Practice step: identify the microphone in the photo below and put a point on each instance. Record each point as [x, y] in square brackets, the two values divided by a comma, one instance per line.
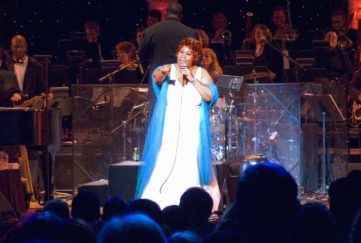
[140, 64]
[182, 65]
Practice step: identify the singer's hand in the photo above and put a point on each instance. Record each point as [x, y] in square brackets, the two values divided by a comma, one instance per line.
[187, 73]
[165, 69]
[160, 74]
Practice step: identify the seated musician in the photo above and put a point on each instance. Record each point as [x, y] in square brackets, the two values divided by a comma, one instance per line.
[130, 72]
[9, 88]
[264, 55]
[347, 35]
[334, 59]
[95, 48]
[281, 28]
[30, 79]
[28, 71]
[221, 37]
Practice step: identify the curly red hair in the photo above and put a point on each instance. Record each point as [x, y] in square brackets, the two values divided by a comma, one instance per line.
[194, 44]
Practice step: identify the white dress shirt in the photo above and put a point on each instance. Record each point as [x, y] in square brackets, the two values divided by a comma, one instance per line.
[20, 69]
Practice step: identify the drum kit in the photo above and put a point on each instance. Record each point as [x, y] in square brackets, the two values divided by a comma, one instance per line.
[234, 120]
[259, 123]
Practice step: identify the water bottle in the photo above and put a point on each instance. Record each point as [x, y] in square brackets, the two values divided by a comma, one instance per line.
[135, 154]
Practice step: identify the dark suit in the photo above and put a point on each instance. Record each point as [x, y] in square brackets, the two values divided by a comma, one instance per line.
[8, 86]
[34, 83]
[159, 44]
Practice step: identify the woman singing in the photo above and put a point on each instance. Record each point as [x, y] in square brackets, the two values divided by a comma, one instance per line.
[177, 149]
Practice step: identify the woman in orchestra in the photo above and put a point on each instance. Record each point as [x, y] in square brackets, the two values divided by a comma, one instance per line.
[128, 64]
[264, 55]
[177, 149]
[211, 64]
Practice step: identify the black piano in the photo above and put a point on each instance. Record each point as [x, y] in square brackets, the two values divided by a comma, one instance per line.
[26, 126]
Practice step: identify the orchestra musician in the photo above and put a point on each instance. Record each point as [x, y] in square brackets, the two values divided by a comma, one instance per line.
[31, 83]
[221, 37]
[28, 71]
[264, 55]
[128, 63]
[282, 29]
[211, 64]
[334, 59]
[347, 36]
[95, 48]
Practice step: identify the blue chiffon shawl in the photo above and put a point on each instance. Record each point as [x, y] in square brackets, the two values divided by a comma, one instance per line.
[155, 132]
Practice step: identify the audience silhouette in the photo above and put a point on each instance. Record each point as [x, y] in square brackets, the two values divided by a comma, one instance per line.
[315, 224]
[113, 207]
[197, 205]
[59, 207]
[266, 209]
[135, 228]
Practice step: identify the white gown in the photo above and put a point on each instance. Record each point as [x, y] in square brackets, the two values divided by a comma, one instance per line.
[176, 168]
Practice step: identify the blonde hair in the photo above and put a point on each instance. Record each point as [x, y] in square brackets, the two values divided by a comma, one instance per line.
[214, 69]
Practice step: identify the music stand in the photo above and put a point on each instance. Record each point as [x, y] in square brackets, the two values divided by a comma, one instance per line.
[232, 84]
[325, 109]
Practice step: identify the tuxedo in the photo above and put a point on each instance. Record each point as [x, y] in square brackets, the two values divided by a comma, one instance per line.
[34, 83]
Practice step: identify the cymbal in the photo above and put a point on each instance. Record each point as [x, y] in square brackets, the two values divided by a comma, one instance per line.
[257, 75]
[253, 156]
[245, 119]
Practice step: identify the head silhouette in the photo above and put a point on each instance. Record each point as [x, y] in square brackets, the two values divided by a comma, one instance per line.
[135, 228]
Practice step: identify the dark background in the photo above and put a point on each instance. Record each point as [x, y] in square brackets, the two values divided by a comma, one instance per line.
[44, 22]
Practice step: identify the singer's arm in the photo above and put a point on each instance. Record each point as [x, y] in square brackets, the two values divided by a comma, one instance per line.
[201, 86]
[160, 74]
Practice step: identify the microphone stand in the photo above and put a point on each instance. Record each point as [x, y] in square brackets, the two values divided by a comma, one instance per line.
[110, 76]
[297, 65]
